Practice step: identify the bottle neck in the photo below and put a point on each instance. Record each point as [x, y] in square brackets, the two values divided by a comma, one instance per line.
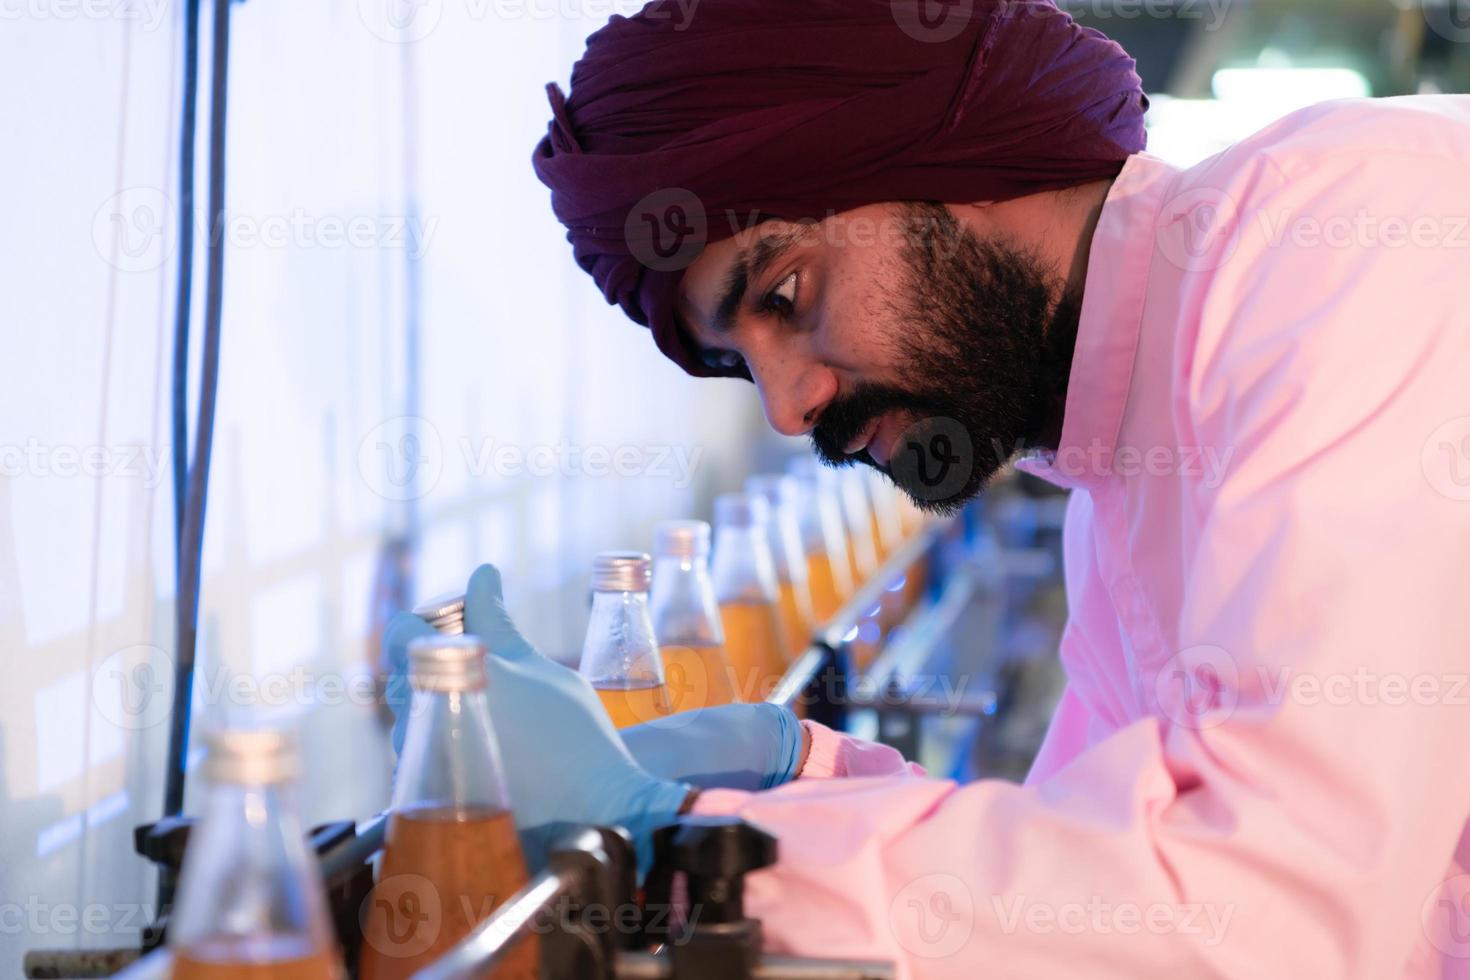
[859, 526]
[682, 603]
[620, 649]
[247, 876]
[823, 530]
[742, 567]
[450, 759]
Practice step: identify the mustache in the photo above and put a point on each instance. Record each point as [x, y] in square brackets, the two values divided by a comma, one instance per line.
[847, 416]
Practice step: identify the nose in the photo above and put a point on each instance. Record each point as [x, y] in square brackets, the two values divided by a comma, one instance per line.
[794, 389]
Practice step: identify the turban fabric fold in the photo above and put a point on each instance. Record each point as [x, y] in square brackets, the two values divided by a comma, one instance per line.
[687, 123]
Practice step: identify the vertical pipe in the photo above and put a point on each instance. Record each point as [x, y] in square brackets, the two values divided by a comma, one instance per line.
[196, 496]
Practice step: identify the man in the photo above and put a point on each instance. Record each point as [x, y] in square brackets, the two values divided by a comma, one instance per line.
[1251, 375]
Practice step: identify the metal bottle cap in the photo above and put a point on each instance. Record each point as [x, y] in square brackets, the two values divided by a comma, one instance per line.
[621, 571]
[681, 539]
[251, 756]
[741, 510]
[446, 663]
[445, 613]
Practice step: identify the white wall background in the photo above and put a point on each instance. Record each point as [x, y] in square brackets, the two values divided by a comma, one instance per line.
[517, 349]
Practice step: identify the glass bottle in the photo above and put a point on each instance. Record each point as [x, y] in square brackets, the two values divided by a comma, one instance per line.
[686, 621]
[452, 856]
[887, 524]
[745, 587]
[823, 538]
[251, 901]
[793, 586]
[862, 554]
[620, 656]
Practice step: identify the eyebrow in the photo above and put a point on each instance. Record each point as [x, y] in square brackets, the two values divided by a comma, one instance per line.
[750, 264]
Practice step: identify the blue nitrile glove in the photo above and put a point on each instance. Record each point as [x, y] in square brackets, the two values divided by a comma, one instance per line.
[734, 746]
[564, 763]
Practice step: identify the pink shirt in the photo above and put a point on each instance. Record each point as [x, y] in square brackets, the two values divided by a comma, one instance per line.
[1261, 764]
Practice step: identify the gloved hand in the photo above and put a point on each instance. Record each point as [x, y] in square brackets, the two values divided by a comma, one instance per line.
[564, 763]
[734, 746]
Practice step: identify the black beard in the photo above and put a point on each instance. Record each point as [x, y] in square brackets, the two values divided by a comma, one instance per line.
[985, 337]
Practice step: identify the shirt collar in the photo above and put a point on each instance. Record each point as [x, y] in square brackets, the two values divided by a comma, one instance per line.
[1107, 330]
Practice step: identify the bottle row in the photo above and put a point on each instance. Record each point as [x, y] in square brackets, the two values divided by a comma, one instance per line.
[712, 617]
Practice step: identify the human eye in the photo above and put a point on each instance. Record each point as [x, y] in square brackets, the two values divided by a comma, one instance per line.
[726, 360]
[781, 299]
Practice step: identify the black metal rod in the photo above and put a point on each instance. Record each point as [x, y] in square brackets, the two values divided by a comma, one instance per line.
[191, 553]
[78, 963]
[831, 634]
[342, 862]
[184, 287]
[923, 628]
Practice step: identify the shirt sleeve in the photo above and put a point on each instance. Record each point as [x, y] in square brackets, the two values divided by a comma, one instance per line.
[835, 755]
[1291, 802]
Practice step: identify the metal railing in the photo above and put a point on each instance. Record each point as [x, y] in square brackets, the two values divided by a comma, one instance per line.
[823, 654]
[489, 943]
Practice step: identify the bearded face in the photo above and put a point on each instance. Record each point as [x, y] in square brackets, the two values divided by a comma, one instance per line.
[922, 349]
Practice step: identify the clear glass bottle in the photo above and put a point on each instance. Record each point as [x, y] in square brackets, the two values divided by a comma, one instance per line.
[251, 901]
[452, 855]
[823, 538]
[744, 577]
[686, 621]
[888, 531]
[888, 537]
[620, 656]
[793, 585]
[862, 553]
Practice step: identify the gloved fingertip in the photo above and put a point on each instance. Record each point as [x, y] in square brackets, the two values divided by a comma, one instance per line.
[485, 583]
[485, 614]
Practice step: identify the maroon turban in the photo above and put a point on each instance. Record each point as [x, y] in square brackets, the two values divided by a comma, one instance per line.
[689, 121]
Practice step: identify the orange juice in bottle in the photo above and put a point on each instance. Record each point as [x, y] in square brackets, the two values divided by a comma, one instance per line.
[686, 620]
[755, 643]
[451, 857]
[862, 552]
[745, 586]
[823, 538]
[793, 585]
[888, 535]
[250, 902]
[620, 657]
[887, 524]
